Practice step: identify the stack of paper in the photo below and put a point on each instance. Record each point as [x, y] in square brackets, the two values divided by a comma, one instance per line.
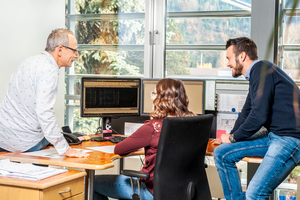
[27, 171]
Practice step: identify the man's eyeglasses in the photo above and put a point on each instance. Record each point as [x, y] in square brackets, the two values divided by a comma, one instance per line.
[75, 50]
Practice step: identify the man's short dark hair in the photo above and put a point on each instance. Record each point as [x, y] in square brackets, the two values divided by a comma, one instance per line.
[243, 44]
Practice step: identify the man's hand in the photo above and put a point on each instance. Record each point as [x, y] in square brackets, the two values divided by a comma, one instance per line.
[216, 141]
[223, 139]
[73, 153]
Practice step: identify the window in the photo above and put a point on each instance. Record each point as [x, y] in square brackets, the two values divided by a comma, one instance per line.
[151, 39]
[288, 59]
[197, 32]
[111, 38]
[289, 39]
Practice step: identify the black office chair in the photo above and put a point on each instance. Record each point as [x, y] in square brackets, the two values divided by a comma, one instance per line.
[179, 171]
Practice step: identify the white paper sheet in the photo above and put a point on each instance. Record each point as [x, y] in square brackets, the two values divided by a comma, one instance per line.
[105, 149]
[51, 153]
[130, 127]
[27, 171]
[226, 121]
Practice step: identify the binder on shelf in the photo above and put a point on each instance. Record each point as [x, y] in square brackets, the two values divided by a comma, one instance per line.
[210, 95]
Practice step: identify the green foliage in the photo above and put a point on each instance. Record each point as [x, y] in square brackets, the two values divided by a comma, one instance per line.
[202, 31]
[109, 32]
[119, 66]
[177, 63]
[85, 125]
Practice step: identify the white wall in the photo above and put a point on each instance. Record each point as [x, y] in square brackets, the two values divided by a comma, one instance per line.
[25, 26]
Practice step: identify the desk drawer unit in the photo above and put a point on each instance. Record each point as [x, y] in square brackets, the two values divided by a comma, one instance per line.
[64, 190]
[76, 197]
[67, 186]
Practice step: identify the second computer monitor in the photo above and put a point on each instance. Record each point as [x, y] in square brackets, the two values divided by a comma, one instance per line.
[194, 90]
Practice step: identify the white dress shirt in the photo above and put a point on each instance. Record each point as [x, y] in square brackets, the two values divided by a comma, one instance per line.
[26, 113]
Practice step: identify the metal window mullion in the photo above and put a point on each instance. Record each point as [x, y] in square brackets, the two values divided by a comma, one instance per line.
[106, 16]
[69, 81]
[70, 115]
[283, 46]
[291, 47]
[210, 14]
[73, 97]
[159, 38]
[133, 16]
[71, 7]
[292, 13]
[195, 47]
[110, 47]
[148, 47]
[280, 36]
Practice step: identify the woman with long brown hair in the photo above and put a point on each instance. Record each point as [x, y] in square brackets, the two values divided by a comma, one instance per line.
[169, 100]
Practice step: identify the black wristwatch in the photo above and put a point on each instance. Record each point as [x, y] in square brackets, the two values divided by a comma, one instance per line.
[231, 138]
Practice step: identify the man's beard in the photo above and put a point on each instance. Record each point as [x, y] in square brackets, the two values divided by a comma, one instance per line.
[237, 71]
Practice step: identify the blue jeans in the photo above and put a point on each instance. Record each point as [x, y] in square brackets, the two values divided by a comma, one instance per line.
[281, 155]
[118, 187]
[41, 145]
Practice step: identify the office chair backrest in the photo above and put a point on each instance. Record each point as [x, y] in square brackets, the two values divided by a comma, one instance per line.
[180, 159]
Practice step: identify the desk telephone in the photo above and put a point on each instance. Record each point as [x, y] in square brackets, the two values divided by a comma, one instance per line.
[72, 138]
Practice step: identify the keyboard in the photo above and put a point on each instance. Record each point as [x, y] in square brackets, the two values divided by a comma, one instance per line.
[117, 139]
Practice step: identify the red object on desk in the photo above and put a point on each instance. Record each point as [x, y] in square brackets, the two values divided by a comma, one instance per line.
[220, 132]
[107, 131]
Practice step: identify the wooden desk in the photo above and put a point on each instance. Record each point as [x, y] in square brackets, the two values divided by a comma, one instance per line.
[70, 184]
[96, 161]
[210, 148]
[252, 163]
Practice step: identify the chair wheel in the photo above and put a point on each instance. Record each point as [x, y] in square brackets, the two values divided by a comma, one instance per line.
[135, 197]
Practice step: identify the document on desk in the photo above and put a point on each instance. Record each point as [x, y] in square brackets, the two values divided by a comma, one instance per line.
[51, 153]
[27, 171]
[105, 149]
[226, 121]
[130, 127]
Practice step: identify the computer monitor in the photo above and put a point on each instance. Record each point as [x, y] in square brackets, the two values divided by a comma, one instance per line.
[109, 97]
[194, 89]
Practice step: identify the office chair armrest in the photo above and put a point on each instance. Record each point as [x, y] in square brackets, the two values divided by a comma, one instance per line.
[133, 173]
